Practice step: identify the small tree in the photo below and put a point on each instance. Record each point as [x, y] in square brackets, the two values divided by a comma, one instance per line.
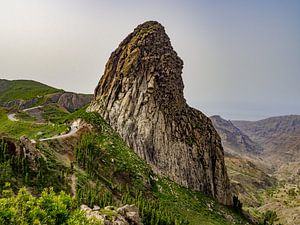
[237, 205]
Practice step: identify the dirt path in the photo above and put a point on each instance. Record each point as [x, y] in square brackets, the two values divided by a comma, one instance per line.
[12, 116]
[73, 129]
[36, 107]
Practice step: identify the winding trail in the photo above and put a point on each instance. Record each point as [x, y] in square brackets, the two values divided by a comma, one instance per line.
[12, 116]
[73, 128]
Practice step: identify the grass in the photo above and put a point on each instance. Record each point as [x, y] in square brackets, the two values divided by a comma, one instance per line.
[109, 213]
[118, 159]
[31, 130]
[53, 112]
[23, 90]
[284, 199]
[113, 169]
[25, 117]
[195, 206]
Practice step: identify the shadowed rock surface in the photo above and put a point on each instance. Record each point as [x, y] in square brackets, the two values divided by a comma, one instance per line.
[233, 139]
[23, 94]
[141, 96]
[70, 101]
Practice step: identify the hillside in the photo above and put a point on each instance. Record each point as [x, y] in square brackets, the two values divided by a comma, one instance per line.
[269, 180]
[23, 94]
[97, 167]
[279, 137]
[233, 139]
[246, 170]
[23, 90]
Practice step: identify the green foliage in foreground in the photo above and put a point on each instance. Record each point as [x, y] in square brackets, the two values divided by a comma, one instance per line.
[153, 212]
[23, 90]
[48, 209]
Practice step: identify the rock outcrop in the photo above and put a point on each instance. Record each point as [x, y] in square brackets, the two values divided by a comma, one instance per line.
[70, 101]
[125, 215]
[141, 96]
[24, 94]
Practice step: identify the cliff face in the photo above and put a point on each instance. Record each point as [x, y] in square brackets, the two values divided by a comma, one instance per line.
[70, 101]
[141, 96]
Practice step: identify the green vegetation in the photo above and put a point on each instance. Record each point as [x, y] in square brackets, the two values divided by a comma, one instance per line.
[53, 112]
[31, 130]
[278, 204]
[23, 90]
[25, 117]
[107, 172]
[128, 176]
[48, 209]
[37, 171]
[269, 218]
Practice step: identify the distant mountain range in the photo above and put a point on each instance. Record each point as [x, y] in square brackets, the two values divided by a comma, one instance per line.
[278, 136]
[275, 139]
[234, 140]
[264, 155]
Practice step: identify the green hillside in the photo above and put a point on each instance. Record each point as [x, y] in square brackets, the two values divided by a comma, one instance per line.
[95, 167]
[109, 173]
[31, 130]
[23, 90]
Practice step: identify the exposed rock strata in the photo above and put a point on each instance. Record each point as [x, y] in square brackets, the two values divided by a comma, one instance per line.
[70, 101]
[141, 97]
[67, 100]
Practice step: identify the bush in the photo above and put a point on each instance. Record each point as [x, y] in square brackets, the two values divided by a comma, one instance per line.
[269, 218]
[48, 209]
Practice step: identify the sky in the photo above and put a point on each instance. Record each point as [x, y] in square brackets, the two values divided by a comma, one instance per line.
[241, 57]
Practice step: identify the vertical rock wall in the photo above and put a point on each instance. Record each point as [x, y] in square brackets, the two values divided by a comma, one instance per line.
[141, 96]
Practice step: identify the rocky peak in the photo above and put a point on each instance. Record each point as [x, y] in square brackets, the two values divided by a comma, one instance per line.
[147, 49]
[141, 96]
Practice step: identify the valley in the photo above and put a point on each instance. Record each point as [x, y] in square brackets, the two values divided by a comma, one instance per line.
[267, 176]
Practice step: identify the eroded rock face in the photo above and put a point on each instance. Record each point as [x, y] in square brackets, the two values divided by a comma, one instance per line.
[70, 101]
[141, 96]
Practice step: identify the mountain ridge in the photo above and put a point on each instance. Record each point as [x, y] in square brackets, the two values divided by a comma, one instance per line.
[22, 94]
[274, 172]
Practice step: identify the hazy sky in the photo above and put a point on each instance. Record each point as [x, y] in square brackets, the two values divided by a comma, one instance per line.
[241, 58]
